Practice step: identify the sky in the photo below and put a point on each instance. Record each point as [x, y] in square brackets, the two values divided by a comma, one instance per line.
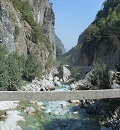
[72, 17]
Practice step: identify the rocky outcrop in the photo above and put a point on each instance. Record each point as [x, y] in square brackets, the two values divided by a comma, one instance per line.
[100, 41]
[16, 34]
[60, 44]
[45, 17]
[64, 74]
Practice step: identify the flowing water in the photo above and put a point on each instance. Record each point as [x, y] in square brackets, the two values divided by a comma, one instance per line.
[60, 115]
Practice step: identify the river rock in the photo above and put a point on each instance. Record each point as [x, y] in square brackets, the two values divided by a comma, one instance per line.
[17, 128]
[65, 73]
[56, 79]
[115, 86]
[40, 103]
[73, 86]
[50, 78]
[31, 110]
[1, 123]
[51, 113]
[75, 112]
[57, 83]
[43, 108]
[75, 101]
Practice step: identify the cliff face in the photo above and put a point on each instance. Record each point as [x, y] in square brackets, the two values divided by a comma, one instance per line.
[16, 33]
[101, 40]
[44, 16]
[60, 44]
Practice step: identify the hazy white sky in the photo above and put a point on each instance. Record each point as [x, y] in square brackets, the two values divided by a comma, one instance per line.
[72, 17]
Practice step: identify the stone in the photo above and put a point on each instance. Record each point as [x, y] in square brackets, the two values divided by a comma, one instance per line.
[43, 108]
[51, 113]
[50, 78]
[57, 83]
[1, 123]
[75, 101]
[56, 78]
[17, 128]
[31, 110]
[73, 86]
[65, 73]
[40, 103]
[75, 112]
[61, 80]
[115, 86]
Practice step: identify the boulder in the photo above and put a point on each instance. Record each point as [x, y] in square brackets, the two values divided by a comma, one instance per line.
[65, 73]
[17, 128]
[50, 78]
[57, 83]
[56, 78]
[31, 110]
[73, 86]
[75, 101]
[40, 103]
[115, 86]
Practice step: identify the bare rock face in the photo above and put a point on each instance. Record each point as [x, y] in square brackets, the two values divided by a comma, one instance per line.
[16, 34]
[9, 23]
[64, 74]
[44, 16]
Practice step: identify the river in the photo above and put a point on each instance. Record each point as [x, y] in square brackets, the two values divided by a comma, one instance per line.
[60, 115]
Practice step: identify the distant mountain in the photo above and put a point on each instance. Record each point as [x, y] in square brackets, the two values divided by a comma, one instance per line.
[60, 44]
[101, 40]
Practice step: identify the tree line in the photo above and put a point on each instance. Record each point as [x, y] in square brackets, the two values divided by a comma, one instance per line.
[14, 69]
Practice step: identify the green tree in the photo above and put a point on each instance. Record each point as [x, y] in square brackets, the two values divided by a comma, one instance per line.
[32, 69]
[14, 69]
[3, 68]
[100, 77]
[58, 53]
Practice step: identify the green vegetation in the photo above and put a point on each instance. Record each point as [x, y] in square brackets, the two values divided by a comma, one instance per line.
[16, 32]
[58, 53]
[103, 30]
[74, 72]
[49, 64]
[10, 70]
[100, 76]
[3, 69]
[14, 68]
[32, 68]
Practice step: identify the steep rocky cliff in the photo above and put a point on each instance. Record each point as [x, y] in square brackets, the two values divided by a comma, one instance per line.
[60, 44]
[101, 40]
[17, 32]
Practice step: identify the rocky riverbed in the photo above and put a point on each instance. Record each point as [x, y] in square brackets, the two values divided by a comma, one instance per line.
[55, 115]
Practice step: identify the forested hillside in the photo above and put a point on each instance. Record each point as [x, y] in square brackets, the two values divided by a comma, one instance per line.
[101, 40]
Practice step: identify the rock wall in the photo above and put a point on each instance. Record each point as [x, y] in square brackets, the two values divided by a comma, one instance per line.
[44, 15]
[16, 34]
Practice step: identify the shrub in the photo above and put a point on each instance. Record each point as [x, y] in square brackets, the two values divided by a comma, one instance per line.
[32, 69]
[3, 68]
[14, 69]
[16, 33]
[74, 72]
[100, 76]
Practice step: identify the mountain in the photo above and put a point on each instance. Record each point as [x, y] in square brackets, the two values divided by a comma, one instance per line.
[101, 40]
[27, 27]
[60, 44]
